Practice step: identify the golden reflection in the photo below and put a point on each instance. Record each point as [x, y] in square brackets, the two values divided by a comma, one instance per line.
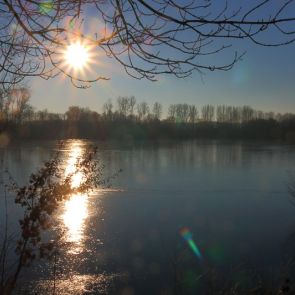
[77, 284]
[74, 217]
[76, 208]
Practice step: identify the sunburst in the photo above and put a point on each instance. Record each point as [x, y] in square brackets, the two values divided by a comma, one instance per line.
[77, 56]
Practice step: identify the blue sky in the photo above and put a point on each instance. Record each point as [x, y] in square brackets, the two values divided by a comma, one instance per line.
[264, 79]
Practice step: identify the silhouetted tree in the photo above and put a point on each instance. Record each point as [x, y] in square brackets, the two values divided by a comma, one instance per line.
[245, 123]
[42, 115]
[28, 113]
[142, 110]
[247, 114]
[157, 110]
[182, 112]
[39, 199]
[123, 105]
[208, 113]
[236, 115]
[107, 108]
[193, 114]
[131, 104]
[14, 104]
[73, 113]
[172, 112]
[220, 113]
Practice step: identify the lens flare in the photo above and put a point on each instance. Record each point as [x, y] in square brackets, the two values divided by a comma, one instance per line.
[188, 237]
[45, 7]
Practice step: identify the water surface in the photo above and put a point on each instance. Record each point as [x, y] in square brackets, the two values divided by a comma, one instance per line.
[125, 240]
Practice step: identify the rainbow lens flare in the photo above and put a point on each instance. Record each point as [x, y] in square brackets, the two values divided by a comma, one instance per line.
[45, 7]
[188, 237]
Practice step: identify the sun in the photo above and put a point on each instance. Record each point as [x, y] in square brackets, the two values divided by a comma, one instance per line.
[77, 55]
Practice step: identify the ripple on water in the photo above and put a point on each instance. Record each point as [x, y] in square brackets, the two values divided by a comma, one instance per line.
[75, 284]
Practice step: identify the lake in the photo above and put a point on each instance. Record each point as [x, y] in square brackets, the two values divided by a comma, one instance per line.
[231, 200]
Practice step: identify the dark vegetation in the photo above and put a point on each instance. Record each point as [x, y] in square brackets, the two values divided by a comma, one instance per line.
[40, 198]
[128, 120]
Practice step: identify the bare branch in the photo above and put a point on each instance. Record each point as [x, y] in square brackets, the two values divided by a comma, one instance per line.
[147, 38]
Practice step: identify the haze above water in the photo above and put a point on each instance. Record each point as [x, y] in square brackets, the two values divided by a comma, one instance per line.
[232, 196]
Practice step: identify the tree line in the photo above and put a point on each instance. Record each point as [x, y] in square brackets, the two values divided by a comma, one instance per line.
[128, 119]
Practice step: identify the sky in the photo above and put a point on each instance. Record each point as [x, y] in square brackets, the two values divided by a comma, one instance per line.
[264, 79]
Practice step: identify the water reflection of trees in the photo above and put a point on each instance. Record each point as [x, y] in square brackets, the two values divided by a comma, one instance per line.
[186, 155]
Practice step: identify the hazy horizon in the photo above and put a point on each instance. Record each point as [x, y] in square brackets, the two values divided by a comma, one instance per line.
[263, 80]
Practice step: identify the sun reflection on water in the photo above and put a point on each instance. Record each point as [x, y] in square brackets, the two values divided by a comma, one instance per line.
[76, 208]
[74, 217]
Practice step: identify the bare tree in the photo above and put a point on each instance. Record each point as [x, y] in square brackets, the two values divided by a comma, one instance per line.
[247, 114]
[131, 104]
[43, 115]
[221, 113]
[3, 112]
[108, 107]
[73, 113]
[46, 189]
[236, 115]
[20, 98]
[157, 110]
[172, 112]
[208, 113]
[28, 113]
[14, 104]
[192, 114]
[146, 38]
[269, 116]
[142, 110]
[2, 98]
[123, 105]
[182, 112]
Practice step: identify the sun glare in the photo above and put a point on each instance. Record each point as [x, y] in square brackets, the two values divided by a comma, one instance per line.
[77, 55]
[76, 208]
